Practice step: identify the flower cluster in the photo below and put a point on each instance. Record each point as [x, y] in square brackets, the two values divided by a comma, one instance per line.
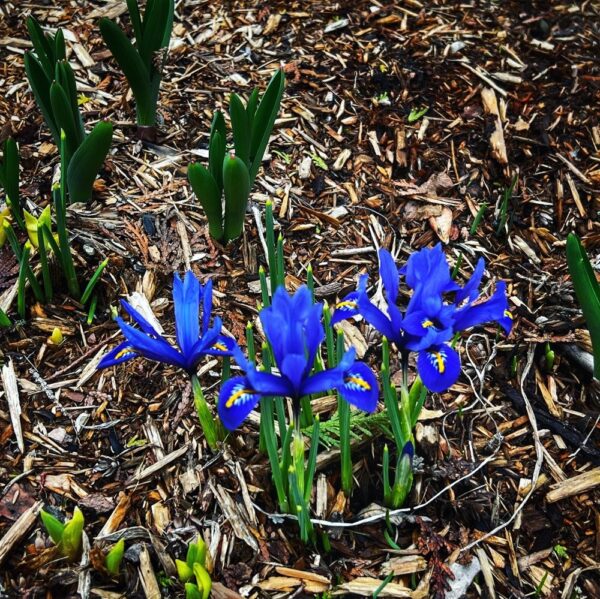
[437, 310]
[294, 329]
[194, 340]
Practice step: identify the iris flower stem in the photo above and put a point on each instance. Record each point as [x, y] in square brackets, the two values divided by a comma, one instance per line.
[268, 428]
[213, 432]
[312, 461]
[344, 414]
[298, 450]
[387, 490]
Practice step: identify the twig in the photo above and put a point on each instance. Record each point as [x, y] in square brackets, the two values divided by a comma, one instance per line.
[539, 451]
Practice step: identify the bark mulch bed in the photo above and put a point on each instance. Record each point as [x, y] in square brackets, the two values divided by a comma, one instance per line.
[507, 487]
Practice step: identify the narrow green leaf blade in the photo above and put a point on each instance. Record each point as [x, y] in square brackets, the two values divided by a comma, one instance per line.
[60, 50]
[587, 291]
[4, 319]
[54, 527]
[236, 185]
[130, 62]
[156, 19]
[93, 281]
[66, 78]
[264, 119]
[71, 538]
[114, 557]
[87, 161]
[65, 120]
[136, 21]
[241, 130]
[39, 83]
[251, 106]
[206, 190]
[42, 46]
[216, 155]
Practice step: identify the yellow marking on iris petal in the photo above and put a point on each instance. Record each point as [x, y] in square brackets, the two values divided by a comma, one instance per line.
[358, 382]
[508, 314]
[426, 324]
[123, 352]
[220, 346]
[346, 304]
[235, 396]
[440, 361]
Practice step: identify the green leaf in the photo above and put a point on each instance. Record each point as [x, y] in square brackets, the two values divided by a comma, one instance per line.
[66, 78]
[60, 50]
[42, 46]
[216, 155]
[87, 161]
[54, 527]
[9, 179]
[190, 557]
[71, 538]
[218, 124]
[251, 107]
[131, 64]
[64, 117]
[184, 570]
[5, 321]
[236, 185]
[587, 291]
[192, 591]
[136, 21]
[196, 553]
[40, 86]
[415, 114]
[263, 122]
[168, 28]
[206, 190]
[203, 580]
[93, 281]
[241, 130]
[156, 18]
[114, 557]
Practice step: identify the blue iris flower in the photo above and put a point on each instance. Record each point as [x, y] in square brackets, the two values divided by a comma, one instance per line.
[293, 327]
[431, 320]
[194, 339]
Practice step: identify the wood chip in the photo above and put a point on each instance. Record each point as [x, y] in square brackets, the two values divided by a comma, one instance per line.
[574, 486]
[147, 576]
[11, 391]
[19, 529]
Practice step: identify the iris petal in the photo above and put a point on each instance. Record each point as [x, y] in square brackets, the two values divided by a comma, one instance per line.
[186, 298]
[139, 319]
[321, 382]
[269, 384]
[348, 307]
[471, 289]
[376, 318]
[156, 349]
[360, 387]
[388, 271]
[119, 354]
[237, 398]
[438, 367]
[294, 368]
[223, 346]
[493, 309]
[207, 294]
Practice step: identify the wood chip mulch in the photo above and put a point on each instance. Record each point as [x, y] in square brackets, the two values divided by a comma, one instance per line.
[508, 483]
